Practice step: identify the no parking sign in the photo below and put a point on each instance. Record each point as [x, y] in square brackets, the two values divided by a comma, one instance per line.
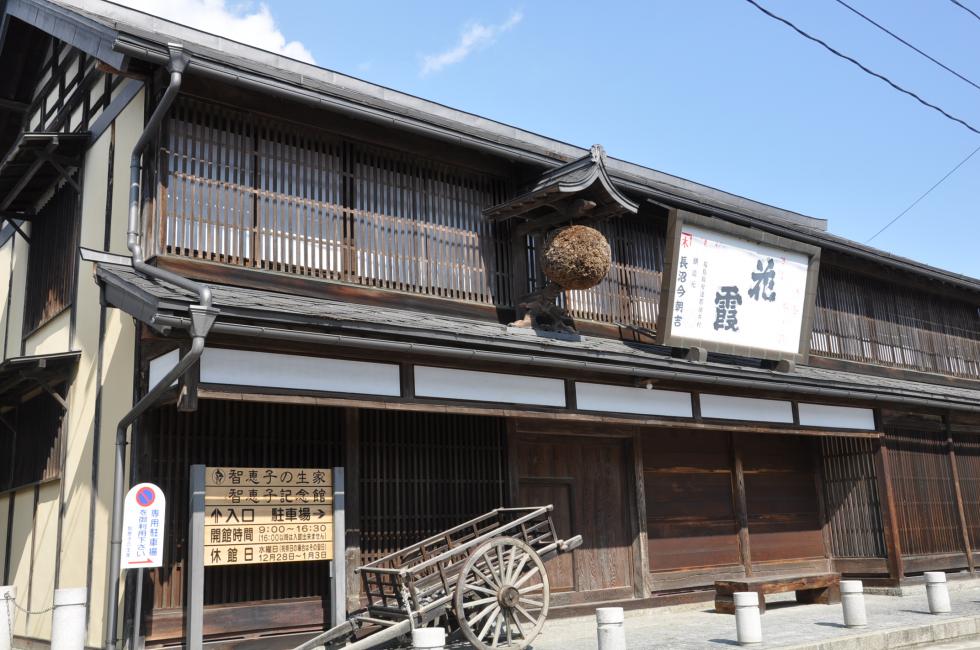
[143, 524]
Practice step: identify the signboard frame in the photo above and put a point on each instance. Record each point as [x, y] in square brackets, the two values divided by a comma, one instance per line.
[194, 607]
[665, 336]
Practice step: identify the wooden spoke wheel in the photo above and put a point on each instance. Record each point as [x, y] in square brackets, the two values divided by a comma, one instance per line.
[502, 595]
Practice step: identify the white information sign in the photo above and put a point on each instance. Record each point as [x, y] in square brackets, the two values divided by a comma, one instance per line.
[733, 291]
[145, 512]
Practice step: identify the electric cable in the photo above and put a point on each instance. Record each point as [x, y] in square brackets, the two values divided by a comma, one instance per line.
[907, 44]
[863, 67]
[924, 195]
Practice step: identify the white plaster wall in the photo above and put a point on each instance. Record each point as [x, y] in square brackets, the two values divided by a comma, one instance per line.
[52, 337]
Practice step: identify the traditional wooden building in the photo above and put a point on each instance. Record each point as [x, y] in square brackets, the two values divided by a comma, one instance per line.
[342, 275]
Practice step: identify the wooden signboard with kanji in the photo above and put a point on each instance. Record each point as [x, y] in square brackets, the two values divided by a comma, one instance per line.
[257, 515]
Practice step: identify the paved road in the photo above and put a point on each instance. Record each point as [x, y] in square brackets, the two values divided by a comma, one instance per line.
[785, 625]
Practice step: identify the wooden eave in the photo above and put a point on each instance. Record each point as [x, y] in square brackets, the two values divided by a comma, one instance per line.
[353, 329]
[22, 375]
[33, 166]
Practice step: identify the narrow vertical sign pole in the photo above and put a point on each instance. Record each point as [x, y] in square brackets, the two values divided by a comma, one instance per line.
[195, 561]
[338, 576]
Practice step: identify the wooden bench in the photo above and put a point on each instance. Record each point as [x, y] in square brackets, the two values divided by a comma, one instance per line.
[823, 588]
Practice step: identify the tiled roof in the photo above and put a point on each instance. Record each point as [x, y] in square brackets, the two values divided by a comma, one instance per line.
[264, 306]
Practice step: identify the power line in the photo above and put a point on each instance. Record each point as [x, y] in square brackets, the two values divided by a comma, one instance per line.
[924, 195]
[862, 66]
[907, 44]
[965, 8]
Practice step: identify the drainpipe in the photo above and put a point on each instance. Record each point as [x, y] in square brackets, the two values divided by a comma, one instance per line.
[202, 317]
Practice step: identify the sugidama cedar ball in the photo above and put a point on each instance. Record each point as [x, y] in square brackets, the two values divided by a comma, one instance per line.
[576, 257]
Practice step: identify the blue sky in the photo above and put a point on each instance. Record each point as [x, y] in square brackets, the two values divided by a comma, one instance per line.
[710, 90]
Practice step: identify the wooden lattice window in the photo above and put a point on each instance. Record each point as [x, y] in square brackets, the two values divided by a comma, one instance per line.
[246, 190]
[861, 318]
[51, 261]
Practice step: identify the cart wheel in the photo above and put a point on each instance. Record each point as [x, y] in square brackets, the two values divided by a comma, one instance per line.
[502, 595]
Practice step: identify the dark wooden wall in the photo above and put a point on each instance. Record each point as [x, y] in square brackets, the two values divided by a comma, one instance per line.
[782, 499]
[587, 479]
[690, 504]
[51, 261]
[924, 492]
[31, 441]
[967, 449]
[850, 488]
[234, 434]
[422, 473]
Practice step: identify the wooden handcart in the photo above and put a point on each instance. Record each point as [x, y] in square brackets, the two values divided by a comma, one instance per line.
[485, 578]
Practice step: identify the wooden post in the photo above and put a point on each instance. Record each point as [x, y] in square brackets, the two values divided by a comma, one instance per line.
[741, 507]
[955, 474]
[642, 558]
[889, 517]
[352, 465]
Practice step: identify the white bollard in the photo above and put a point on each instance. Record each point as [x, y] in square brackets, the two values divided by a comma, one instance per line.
[609, 627]
[68, 619]
[7, 597]
[852, 602]
[429, 638]
[748, 623]
[937, 592]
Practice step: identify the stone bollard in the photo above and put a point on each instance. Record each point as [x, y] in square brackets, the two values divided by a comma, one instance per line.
[852, 602]
[937, 592]
[427, 638]
[68, 619]
[609, 627]
[7, 597]
[748, 623]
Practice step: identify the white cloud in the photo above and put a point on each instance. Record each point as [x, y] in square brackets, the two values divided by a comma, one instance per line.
[475, 36]
[241, 22]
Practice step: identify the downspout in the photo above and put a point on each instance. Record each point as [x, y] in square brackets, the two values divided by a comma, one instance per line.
[202, 317]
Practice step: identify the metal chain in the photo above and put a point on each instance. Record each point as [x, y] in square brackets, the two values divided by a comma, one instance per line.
[26, 611]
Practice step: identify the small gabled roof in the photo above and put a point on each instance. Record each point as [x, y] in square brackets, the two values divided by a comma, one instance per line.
[586, 178]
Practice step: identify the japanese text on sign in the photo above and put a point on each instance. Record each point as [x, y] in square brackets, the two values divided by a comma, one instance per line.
[257, 515]
[730, 290]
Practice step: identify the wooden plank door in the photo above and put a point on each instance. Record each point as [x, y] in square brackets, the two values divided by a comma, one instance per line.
[783, 503]
[586, 480]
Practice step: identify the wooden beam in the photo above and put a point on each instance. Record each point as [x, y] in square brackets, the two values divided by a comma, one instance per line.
[741, 506]
[568, 418]
[955, 474]
[889, 515]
